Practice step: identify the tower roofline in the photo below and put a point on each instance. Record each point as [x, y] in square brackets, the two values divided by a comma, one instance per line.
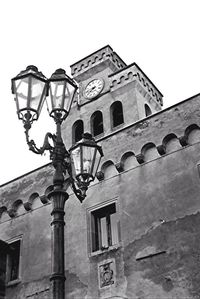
[135, 64]
[107, 46]
[95, 58]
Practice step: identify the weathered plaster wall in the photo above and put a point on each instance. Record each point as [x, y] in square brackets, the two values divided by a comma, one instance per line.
[159, 220]
[164, 262]
[25, 190]
[158, 198]
[35, 256]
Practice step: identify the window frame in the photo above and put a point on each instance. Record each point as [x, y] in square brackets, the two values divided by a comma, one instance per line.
[91, 211]
[112, 117]
[18, 279]
[147, 110]
[92, 123]
[74, 127]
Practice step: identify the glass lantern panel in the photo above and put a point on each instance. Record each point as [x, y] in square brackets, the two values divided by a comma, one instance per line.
[37, 94]
[76, 160]
[69, 92]
[96, 163]
[88, 158]
[21, 91]
[56, 93]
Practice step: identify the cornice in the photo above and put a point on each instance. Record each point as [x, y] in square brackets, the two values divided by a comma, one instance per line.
[140, 157]
[95, 58]
[134, 73]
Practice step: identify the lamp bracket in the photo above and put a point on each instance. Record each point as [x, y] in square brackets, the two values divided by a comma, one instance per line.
[60, 160]
[46, 145]
[80, 192]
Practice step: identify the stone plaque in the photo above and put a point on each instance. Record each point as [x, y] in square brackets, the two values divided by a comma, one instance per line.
[106, 273]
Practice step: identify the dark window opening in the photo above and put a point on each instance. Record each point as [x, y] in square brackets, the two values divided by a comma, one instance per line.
[3, 257]
[77, 131]
[147, 110]
[13, 261]
[117, 116]
[97, 123]
[104, 227]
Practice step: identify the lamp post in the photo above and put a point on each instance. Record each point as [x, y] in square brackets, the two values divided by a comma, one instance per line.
[81, 162]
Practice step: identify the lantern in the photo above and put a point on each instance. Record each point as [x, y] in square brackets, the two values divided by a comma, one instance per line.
[62, 90]
[30, 90]
[85, 158]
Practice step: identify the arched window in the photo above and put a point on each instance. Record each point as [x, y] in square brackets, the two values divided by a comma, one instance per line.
[77, 131]
[116, 112]
[147, 110]
[97, 123]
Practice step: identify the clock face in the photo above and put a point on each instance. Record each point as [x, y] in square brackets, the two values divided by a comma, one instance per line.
[93, 88]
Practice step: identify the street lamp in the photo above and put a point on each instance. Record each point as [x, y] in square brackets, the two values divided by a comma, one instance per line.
[81, 162]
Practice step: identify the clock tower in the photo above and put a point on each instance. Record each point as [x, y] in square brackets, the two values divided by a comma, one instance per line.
[111, 96]
[92, 72]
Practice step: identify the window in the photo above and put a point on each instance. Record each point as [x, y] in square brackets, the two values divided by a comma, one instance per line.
[97, 123]
[116, 111]
[13, 261]
[77, 131]
[104, 227]
[147, 110]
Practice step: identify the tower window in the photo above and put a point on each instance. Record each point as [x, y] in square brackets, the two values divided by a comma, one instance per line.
[13, 261]
[104, 227]
[147, 110]
[97, 123]
[117, 117]
[77, 131]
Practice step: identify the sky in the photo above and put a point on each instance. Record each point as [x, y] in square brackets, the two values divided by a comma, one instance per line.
[161, 36]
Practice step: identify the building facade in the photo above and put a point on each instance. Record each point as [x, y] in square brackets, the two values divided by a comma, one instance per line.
[136, 235]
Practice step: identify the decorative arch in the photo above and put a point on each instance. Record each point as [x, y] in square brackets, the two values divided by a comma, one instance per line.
[192, 134]
[191, 128]
[108, 169]
[77, 131]
[96, 122]
[15, 208]
[149, 152]
[34, 200]
[128, 160]
[171, 143]
[32, 197]
[168, 137]
[48, 190]
[44, 199]
[17, 203]
[116, 114]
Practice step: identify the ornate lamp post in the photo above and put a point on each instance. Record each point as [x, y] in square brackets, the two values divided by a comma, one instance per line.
[30, 88]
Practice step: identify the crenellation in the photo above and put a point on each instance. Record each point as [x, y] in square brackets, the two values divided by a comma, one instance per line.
[154, 92]
[133, 73]
[95, 58]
